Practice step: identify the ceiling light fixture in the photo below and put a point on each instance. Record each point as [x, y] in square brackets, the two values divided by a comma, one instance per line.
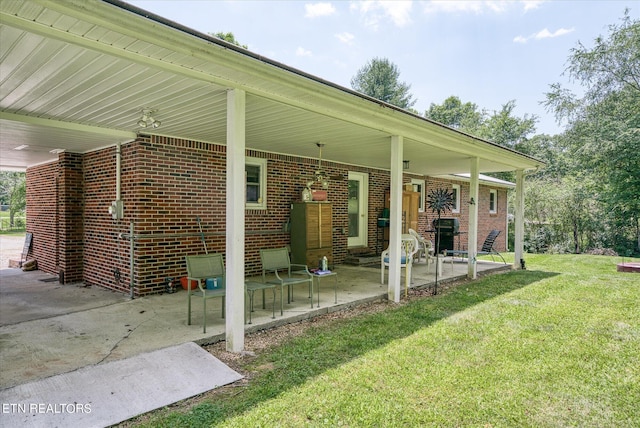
[148, 120]
[405, 164]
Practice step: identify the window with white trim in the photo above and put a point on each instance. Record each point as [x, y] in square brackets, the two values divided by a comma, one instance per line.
[255, 170]
[418, 186]
[493, 201]
[455, 188]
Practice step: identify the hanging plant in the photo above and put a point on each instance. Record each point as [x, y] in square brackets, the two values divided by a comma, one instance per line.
[439, 201]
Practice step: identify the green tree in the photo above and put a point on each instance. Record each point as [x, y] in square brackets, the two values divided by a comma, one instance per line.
[507, 130]
[550, 150]
[577, 212]
[13, 193]
[379, 79]
[228, 37]
[458, 115]
[501, 127]
[602, 125]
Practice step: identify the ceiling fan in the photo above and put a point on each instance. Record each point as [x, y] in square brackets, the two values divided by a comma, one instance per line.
[320, 176]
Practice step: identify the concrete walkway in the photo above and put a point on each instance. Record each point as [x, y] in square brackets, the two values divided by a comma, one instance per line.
[106, 394]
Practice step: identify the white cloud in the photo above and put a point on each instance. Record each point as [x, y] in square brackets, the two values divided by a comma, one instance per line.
[447, 6]
[345, 37]
[373, 12]
[544, 34]
[399, 11]
[303, 52]
[532, 4]
[479, 7]
[318, 9]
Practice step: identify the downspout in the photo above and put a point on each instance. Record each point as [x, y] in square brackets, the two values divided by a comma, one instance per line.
[117, 213]
[131, 248]
[118, 173]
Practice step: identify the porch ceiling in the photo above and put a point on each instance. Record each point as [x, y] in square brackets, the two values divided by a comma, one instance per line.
[75, 76]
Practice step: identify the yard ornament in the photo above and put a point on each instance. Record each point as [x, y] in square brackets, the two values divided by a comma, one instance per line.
[439, 201]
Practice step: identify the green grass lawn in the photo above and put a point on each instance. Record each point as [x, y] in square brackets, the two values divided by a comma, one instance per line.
[555, 345]
[4, 223]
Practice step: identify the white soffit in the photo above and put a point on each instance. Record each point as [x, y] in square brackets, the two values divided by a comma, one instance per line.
[95, 66]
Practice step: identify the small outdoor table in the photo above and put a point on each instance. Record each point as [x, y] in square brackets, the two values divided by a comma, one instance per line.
[335, 286]
[251, 288]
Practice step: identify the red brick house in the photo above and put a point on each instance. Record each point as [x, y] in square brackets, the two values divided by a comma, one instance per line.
[131, 126]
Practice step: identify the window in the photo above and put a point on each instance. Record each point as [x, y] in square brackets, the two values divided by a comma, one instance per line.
[418, 186]
[456, 198]
[256, 179]
[493, 201]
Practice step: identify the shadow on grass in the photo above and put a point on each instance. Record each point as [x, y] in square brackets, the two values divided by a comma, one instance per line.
[323, 348]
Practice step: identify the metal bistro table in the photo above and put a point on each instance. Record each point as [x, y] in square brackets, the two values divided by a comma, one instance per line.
[251, 288]
[317, 276]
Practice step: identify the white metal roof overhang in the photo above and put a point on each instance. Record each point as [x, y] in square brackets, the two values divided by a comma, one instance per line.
[75, 76]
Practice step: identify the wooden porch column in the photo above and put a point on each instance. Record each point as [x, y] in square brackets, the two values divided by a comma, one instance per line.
[395, 218]
[234, 317]
[519, 220]
[472, 237]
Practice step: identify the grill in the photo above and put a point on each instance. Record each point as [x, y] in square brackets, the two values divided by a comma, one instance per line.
[448, 228]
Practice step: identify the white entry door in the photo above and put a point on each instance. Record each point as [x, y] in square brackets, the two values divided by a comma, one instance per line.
[358, 202]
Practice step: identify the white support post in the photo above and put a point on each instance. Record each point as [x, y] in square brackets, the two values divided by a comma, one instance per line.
[395, 218]
[519, 220]
[472, 236]
[234, 316]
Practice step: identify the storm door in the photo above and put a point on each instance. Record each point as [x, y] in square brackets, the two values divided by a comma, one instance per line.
[358, 189]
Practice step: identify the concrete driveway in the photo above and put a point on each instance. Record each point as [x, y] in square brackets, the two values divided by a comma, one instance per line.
[10, 249]
[35, 295]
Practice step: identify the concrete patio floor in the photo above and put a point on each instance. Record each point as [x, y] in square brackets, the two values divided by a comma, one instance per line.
[47, 328]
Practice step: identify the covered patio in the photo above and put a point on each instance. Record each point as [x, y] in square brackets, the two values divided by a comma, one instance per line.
[69, 327]
[80, 78]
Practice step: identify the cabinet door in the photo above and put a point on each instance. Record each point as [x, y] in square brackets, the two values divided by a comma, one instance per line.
[414, 206]
[313, 225]
[326, 226]
[410, 201]
[406, 211]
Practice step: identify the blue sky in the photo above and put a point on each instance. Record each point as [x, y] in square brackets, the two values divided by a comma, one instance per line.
[485, 52]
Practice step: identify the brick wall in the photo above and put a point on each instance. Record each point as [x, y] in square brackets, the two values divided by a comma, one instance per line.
[42, 215]
[166, 185]
[55, 216]
[486, 221]
[70, 216]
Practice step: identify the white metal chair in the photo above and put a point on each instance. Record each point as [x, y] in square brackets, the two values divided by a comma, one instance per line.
[277, 260]
[425, 249]
[201, 268]
[408, 248]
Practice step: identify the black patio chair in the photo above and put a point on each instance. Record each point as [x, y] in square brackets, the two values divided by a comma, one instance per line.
[487, 247]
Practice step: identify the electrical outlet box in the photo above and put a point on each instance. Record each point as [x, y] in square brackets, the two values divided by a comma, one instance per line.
[116, 209]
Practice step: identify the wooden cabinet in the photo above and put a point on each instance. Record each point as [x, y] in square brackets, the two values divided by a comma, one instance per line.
[410, 206]
[311, 233]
